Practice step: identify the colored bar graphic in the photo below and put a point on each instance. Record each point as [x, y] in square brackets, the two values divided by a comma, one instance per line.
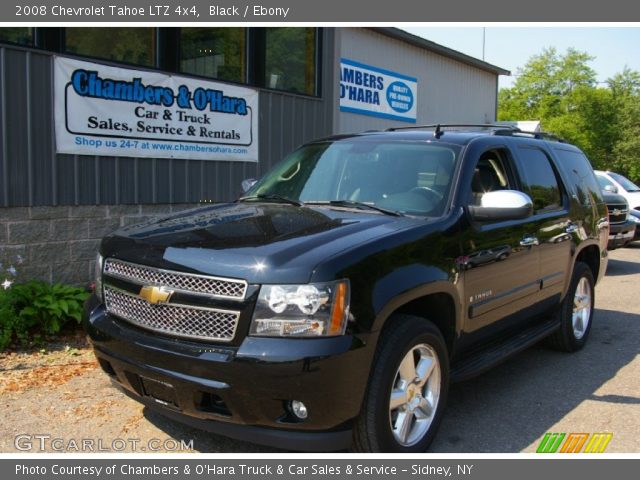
[598, 442]
[550, 442]
[574, 442]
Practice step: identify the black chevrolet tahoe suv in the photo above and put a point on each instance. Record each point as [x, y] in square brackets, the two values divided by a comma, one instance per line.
[331, 306]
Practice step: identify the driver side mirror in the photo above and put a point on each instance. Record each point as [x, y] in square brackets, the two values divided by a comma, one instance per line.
[247, 183]
[502, 205]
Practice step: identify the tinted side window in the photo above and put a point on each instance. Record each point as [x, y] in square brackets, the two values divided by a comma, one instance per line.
[540, 180]
[578, 170]
[492, 172]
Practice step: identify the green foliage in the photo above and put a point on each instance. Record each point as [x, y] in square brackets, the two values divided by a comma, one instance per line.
[30, 310]
[545, 82]
[7, 319]
[624, 83]
[560, 90]
[627, 150]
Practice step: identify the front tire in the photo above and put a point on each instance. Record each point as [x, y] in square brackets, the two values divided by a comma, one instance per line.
[407, 389]
[575, 312]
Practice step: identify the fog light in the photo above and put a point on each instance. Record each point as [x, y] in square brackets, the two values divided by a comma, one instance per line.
[299, 409]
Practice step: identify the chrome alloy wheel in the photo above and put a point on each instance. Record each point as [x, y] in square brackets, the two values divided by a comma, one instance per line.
[581, 308]
[414, 395]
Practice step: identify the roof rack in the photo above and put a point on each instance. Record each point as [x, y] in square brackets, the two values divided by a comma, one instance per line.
[496, 129]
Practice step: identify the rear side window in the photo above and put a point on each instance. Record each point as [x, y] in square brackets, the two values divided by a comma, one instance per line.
[578, 170]
[540, 180]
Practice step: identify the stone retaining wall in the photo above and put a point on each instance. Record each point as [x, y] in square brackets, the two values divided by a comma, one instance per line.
[59, 244]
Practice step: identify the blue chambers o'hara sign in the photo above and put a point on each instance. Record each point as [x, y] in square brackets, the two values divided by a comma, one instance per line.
[377, 92]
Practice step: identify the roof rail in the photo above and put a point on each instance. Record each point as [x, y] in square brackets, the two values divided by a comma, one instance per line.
[536, 135]
[439, 126]
[496, 129]
[452, 125]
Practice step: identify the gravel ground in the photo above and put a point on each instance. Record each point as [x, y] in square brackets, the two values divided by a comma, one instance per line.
[61, 394]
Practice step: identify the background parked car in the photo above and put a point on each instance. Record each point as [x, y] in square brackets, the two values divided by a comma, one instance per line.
[634, 216]
[623, 186]
[622, 229]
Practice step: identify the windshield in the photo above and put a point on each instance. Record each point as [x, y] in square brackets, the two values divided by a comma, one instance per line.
[408, 177]
[624, 182]
[604, 182]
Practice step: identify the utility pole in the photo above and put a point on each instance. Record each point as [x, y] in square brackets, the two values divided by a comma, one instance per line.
[484, 31]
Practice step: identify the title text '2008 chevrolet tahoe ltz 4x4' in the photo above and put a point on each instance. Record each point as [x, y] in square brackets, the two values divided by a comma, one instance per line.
[333, 303]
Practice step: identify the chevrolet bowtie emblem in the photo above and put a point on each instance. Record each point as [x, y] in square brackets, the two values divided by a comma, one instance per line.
[155, 295]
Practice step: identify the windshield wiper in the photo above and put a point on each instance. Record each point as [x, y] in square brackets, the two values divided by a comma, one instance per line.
[273, 196]
[354, 204]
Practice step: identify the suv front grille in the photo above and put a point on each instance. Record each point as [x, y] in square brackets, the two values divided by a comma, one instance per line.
[618, 213]
[186, 282]
[173, 319]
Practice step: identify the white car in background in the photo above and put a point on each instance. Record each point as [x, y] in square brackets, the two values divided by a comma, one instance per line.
[623, 186]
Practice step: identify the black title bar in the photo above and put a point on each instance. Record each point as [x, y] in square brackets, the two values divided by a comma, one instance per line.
[325, 11]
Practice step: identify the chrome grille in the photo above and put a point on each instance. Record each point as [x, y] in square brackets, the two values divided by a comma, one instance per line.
[178, 320]
[185, 282]
[618, 213]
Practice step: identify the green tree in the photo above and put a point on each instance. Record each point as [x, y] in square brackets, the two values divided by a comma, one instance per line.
[625, 83]
[561, 91]
[545, 84]
[589, 120]
[626, 152]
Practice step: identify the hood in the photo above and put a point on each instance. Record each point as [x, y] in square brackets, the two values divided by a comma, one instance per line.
[613, 198]
[258, 242]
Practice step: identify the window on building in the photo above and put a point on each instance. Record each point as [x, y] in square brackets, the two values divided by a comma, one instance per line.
[541, 180]
[18, 35]
[129, 45]
[290, 59]
[214, 52]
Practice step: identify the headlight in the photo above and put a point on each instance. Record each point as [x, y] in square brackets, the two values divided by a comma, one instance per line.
[98, 277]
[634, 218]
[310, 310]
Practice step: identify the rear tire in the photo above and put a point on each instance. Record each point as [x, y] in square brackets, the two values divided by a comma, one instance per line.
[407, 389]
[575, 312]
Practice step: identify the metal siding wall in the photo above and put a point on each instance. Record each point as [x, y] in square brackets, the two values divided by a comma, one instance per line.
[4, 193]
[17, 166]
[449, 91]
[32, 174]
[41, 113]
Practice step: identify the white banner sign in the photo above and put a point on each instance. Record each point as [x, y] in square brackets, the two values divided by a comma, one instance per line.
[377, 92]
[102, 110]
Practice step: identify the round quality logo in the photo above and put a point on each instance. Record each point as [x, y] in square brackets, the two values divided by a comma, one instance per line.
[400, 97]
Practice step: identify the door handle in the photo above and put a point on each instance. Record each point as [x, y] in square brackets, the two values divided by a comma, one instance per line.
[529, 241]
[603, 223]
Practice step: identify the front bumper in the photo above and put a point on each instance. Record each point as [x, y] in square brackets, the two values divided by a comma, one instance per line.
[241, 392]
[620, 234]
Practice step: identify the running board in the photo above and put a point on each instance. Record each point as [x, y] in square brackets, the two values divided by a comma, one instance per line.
[485, 359]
